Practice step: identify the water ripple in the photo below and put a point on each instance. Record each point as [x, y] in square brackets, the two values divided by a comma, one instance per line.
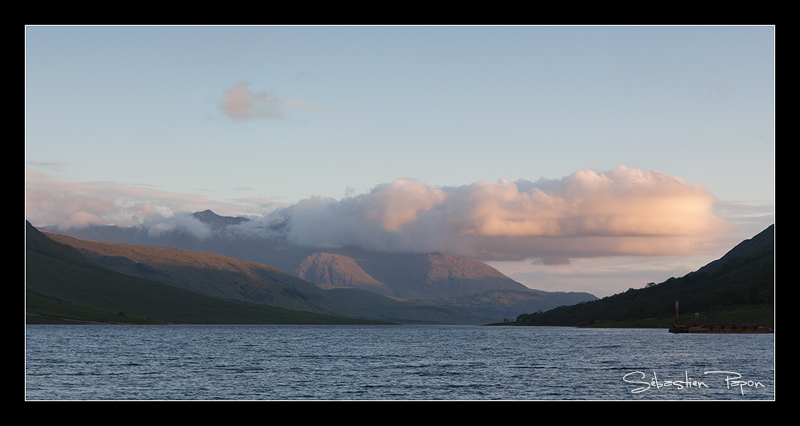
[386, 363]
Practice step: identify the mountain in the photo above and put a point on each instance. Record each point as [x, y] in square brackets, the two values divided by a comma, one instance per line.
[763, 239]
[214, 275]
[328, 270]
[217, 221]
[429, 279]
[738, 288]
[408, 275]
[433, 280]
[62, 286]
[404, 275]
[233, 279]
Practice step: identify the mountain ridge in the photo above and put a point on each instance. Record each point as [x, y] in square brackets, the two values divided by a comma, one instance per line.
[408, 275]
[62, 286]
[212, 275]
[209, 217]
[192, 271]
[431, 280]
[738, 288]
[747, 247]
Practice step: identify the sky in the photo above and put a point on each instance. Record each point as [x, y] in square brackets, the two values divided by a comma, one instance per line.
[571, 158]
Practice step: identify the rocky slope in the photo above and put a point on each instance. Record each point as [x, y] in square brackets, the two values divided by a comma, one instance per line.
[329, 270]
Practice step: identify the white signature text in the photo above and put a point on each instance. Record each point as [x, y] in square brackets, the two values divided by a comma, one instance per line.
[732, 380]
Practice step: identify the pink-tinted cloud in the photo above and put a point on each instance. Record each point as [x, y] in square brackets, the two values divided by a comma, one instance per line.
[586, 214]
[623, 211]
[240, 102]
[69, 204]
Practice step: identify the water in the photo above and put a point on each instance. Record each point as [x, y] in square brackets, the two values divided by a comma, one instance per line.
[207, 362]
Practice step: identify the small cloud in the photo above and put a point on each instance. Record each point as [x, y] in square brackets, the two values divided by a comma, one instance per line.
[241, 103]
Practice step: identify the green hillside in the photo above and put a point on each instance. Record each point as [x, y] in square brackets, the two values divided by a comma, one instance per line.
[62, 286]
[739, 289]
[214, 275]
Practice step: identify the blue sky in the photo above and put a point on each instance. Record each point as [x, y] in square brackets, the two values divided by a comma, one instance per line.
[246, 119]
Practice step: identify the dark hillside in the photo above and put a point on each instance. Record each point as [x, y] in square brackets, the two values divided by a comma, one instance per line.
[216, 276]
[64, 287]
[764, 239]
[739, 290]
[404, 275]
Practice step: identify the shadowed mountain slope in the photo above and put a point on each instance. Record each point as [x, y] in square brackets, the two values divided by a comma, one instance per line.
[214, 275]
[404, 275]
[62, 286]
[751, 246]
[432, 279]
[738, 288]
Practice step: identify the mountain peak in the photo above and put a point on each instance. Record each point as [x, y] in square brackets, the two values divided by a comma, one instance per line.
[329, 270]
[209, 217]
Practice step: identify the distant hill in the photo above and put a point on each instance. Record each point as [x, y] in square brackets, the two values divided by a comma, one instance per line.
[216, 221]
[735, 289]
[328, 270]
[215, 276]
[421, 275]
[430, 279]
[749, 247]
[62, 286]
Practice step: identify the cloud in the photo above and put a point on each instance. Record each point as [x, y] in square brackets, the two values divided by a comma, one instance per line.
[242, 103]
[621, 212]
[69, 204]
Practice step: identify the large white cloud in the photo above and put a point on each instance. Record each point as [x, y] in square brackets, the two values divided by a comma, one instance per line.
[623, 211]
[620, 212]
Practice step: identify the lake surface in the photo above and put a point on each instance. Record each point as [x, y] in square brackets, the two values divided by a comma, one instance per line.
[263, 362]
